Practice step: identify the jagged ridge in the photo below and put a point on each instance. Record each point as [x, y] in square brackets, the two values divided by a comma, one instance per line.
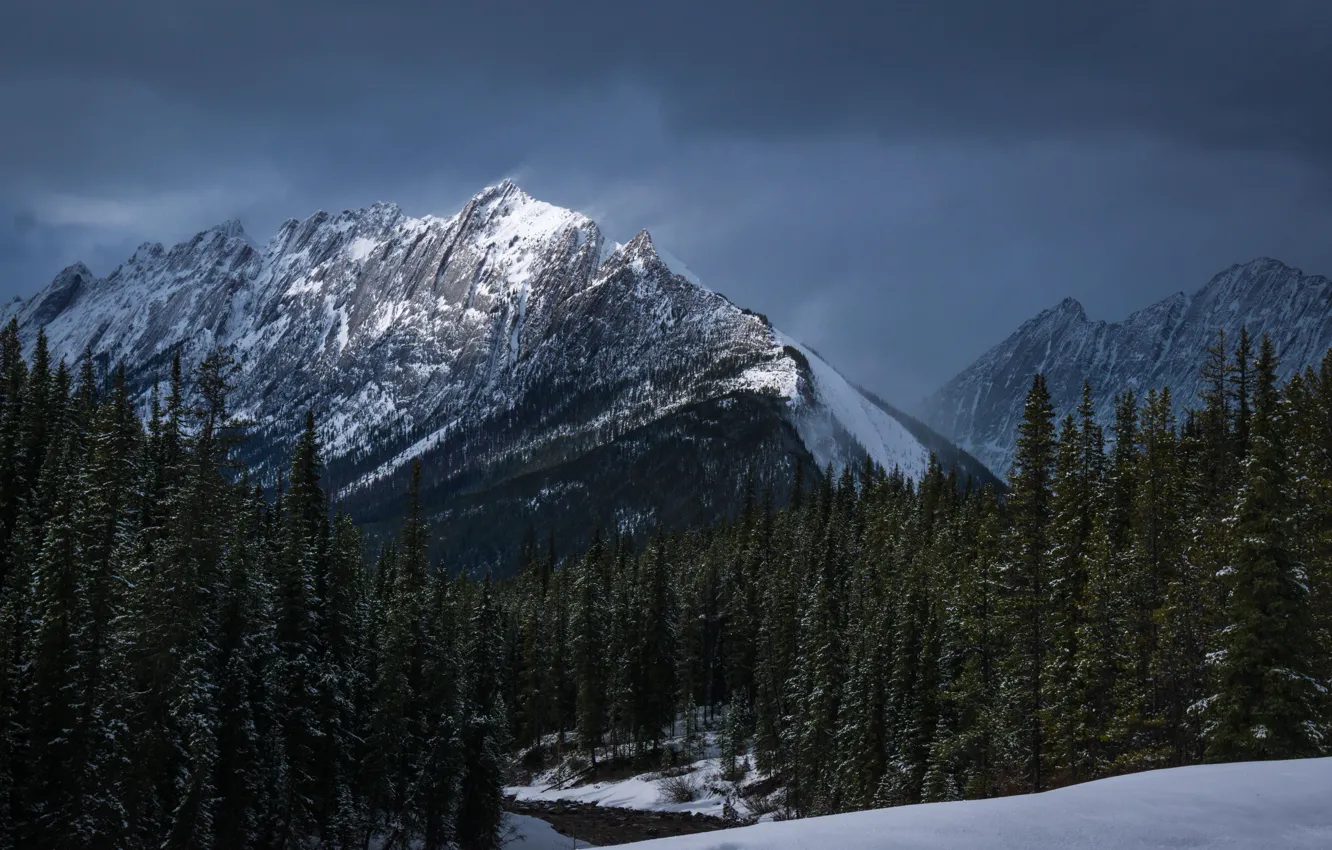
[507, 343]
[1161, 345]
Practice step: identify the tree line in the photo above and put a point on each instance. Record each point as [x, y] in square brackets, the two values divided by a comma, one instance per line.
[1155, 596]
[190, 661]
[187, 661]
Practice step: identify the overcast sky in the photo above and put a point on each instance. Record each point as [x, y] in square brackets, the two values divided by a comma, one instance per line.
[897, 184]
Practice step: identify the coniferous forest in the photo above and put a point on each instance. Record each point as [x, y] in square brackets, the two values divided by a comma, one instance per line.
[1157, 596]
[190, 660]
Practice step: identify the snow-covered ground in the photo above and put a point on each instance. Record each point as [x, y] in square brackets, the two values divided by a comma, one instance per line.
[646, 791]
[1281, 805]
[522, 832]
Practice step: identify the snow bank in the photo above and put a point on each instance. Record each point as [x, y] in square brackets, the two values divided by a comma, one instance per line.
[644, 792]
[1281, 805]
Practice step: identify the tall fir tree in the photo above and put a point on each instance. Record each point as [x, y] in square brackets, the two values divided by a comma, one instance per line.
[1025, 578]
[1266, 704]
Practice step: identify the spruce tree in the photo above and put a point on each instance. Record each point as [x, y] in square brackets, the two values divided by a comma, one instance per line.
[1153, 564]
[13, 380]
[302, 569]
[1073, 512]
[1242, 379]
[397, 733]
[1266, 702]
[484, 735]
[241, 774]
[445, 710]
[587, 633]
[59, 779]
[1025, 580]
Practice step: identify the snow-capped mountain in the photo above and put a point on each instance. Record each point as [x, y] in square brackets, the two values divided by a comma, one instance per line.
[539, 372]
[1162, 345]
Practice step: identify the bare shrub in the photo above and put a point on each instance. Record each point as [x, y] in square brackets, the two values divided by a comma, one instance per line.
[679, 789]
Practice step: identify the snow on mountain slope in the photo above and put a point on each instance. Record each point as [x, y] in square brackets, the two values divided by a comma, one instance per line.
[1275, 805]
[1161, 345]
[501, 343]
[885, 438]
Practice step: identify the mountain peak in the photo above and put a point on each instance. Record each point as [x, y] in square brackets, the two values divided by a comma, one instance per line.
[76, 270]
[1070, 310]
[1071, 307]
[642, 255]
[231, 229]
[1266, 262]
[506, 189]
[64, 290]
[641, 244]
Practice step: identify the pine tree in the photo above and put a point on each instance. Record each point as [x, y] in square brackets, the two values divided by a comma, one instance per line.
[302, 570]
[1316, 472]
[1074, 506]
[1266, 703]
[587, 631]
[341, 685]
[1241, 379]
[1153, 564]
[241, 774]
[1025, 577]
[655, 651]
[397, 733]
[484, 733]
[442, 769]
[40, 401]
[59, 779]
[15, 682]
[13, 381]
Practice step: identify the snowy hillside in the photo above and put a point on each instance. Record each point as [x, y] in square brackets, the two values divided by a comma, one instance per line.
[1280, 805]
[1161, 345]
[528, 361]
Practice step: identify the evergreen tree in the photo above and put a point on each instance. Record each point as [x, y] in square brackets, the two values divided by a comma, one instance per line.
[302, 573]
[1074, 507]
[484, 732]
[59, 779]
[445, 710]
[1266, 703]
[587, 632]
[13, 383]
[1241, 379]
[397, 734]
[1025, 578]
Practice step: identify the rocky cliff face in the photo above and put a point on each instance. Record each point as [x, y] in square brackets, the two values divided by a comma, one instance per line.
[1159, 346]
[542, 376]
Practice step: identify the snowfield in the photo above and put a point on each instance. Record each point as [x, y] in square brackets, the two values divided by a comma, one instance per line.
[1282, 805]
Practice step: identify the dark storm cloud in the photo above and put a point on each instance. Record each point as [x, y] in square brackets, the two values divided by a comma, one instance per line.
[899, 184]
[1215, 71]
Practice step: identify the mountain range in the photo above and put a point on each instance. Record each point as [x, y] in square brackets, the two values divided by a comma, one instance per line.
[550, 381]
[1159, 346]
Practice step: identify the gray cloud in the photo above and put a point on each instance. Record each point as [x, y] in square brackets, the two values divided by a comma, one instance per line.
[899, 184]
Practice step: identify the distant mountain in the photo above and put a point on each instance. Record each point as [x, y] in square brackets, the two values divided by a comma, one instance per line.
[1162, 345]
[544, 377]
